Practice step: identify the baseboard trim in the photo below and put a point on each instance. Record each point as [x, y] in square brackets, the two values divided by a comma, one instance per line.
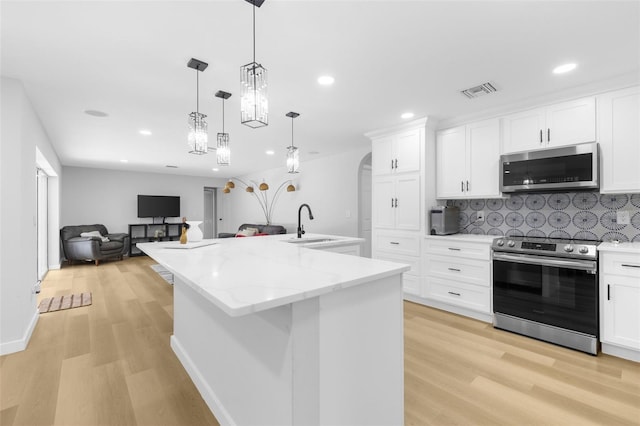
[480, 316]
[620, 352]
[209, 396]
[55, 266]
[20, 344]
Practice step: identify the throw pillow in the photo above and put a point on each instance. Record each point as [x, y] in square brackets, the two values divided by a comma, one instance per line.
[94, 234]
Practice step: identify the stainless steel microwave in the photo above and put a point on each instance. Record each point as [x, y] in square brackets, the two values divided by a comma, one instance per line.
[568, 168]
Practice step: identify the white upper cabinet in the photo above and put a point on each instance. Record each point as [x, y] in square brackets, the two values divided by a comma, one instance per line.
[397, 153]
[467, 161]
[619, 138]
[566, 123]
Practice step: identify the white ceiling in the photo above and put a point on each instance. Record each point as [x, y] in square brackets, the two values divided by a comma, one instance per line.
[129, 59]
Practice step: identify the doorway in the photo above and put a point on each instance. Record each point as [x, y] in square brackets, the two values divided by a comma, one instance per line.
[364, 204]
[210, 213]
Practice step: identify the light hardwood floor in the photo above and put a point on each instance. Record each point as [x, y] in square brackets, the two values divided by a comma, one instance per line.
[111, 364]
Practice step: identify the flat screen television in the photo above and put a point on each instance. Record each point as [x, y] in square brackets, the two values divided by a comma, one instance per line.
[158, 206]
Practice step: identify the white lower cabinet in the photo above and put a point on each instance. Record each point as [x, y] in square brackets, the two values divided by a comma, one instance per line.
[350, 249]
[458, 274]
[401, 248]
[620, 304]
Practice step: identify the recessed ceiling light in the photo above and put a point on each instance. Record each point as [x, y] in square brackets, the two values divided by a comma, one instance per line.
[145, 132]
[96, 113]
[215, 170]
[326, 80]
[407, 115]
[124, 161]
[564, 68]
[269, 152]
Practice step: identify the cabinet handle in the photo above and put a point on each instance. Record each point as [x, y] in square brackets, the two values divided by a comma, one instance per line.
[395, 243]
[608, 292]
[454, 248]
[461, 186]
[467, 185]
[392, 203]
[453, 293]
[541, 136]
[396, 164]
[454, 269]
[630, 266]
[396, 203]
[548, 135]
[392, 164]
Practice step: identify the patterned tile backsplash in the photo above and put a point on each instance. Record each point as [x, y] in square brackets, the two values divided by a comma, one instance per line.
[578, 215]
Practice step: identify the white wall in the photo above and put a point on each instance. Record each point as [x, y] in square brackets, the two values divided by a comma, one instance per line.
[110, 197]
[21, 133]
[328, 184]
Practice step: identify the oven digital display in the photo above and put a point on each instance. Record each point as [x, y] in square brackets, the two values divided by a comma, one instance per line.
[538, 246]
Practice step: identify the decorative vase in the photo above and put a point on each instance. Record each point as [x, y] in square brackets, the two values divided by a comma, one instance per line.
[194, 233]
[183, 236]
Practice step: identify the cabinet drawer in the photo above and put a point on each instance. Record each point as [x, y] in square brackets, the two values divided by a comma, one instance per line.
[398, 243]
[621, 264]
[411, 284]
[471, 271]
[450, 247]
[409, 260]
[460, 294]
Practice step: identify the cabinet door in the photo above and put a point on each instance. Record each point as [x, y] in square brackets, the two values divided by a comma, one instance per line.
[571, 122]
[621, 311]
[483, 156]
[407, 202]
[450, 163]
[382, 156]
[383, 210]
[619, 138]
[523, 131]
[407, 151]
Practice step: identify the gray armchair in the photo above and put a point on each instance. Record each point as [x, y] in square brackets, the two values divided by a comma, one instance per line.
[76, 247]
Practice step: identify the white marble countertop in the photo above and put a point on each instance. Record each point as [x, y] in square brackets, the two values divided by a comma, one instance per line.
[627, 247]
[465, 237]
[252, 274]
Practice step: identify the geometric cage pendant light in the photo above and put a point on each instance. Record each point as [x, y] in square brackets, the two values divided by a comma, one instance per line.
[293, 153]
[254, 105]
[223, 151]
[197, 137]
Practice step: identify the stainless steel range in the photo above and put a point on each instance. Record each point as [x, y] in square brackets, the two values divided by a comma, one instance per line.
[547, 289]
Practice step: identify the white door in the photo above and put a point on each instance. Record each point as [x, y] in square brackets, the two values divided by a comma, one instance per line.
[450, 163]
[483, 156]
[407, 202]
[383, 202]
[571, 122]
[42, 228]
[619, 137]
[382, 156]
[407, 152]
[524, 131]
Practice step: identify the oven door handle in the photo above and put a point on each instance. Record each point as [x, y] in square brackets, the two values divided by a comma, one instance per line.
[583, 265]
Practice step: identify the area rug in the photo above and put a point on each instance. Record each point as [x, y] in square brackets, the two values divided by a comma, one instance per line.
[59, 303]
[166, 275]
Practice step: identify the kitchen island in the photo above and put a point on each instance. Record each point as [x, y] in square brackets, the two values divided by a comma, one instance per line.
[273, 332]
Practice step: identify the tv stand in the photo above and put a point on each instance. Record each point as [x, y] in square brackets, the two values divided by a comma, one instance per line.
[146, 232]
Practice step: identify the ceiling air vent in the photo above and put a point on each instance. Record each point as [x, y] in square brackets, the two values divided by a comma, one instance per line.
[477, 91]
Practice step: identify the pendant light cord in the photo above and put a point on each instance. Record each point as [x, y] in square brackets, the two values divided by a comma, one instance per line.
[197, 92]
[223, 115]
[254, 32]
[292, 131]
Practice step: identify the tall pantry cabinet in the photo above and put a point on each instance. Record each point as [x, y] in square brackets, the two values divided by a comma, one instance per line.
[398, 196]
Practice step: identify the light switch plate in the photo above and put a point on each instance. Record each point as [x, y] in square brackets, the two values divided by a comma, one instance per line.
[622, 217]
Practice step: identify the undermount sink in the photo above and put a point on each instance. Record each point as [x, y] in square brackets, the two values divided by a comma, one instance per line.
[310, 240]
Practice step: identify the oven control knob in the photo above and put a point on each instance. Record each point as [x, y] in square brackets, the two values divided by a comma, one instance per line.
[511, 243]
[583, 250]
[500, 243]
[568, 248]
